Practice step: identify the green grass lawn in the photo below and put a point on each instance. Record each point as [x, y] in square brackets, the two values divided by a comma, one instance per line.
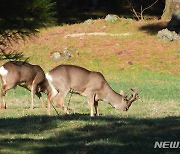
[139, 61]
[153, 118]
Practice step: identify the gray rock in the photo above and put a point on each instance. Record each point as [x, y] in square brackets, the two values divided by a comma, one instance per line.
[56, 56]
[111, 18]
[88, 22]
[167, 35]
[67, 54]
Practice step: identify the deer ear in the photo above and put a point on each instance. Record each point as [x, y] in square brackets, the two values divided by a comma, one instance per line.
[122, 93]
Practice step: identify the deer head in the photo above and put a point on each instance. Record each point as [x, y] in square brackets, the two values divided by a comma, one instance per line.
[126, 102]
[132, 98]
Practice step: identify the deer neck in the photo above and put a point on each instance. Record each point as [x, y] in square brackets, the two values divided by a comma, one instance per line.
[112, 97]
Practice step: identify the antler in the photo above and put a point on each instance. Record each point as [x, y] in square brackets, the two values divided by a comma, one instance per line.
[133, 96]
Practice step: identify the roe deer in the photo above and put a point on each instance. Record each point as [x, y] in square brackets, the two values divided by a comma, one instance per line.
[29, 76]
[69, 78]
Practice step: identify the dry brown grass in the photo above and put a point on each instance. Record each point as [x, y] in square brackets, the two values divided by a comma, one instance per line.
[140, 50]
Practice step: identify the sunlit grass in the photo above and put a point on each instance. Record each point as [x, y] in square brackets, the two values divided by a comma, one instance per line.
[153, 88]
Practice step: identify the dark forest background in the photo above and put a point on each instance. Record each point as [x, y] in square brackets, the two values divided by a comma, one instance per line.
[72, 11]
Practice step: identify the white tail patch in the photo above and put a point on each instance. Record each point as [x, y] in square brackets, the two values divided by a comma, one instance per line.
[3, 71]
[50, 79]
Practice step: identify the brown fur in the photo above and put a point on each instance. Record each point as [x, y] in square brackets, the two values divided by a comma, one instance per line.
[23, 74]
[87, 83]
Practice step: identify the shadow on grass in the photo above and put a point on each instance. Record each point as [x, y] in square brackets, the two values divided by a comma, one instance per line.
[154, 28]
[81, 134]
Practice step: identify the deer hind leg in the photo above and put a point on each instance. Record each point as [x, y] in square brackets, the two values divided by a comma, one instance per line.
[49, 101]
[60, 101]
[50, 98]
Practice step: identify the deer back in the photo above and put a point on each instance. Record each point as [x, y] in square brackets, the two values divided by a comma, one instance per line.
[76, 78]
[23, 72]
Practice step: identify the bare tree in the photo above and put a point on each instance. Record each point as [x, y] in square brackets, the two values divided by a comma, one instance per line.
[139, 15]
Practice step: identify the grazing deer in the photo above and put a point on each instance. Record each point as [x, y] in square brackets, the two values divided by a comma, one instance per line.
[69, 78]
[29, 76]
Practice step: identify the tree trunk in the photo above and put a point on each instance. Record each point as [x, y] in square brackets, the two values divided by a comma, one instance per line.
[171, 6]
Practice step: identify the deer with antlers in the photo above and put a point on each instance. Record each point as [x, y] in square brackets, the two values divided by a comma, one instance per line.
[70, 78]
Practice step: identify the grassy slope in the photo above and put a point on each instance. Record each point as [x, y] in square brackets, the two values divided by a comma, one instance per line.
[139, 60]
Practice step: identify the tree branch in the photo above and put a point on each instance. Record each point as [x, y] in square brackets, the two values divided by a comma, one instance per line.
[142, 10]
[133, 10]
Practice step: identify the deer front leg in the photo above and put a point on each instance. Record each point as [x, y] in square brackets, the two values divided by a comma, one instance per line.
[40, 98]
[49, 106]
[5, 86]
[32, 97]
[96, 108]
[91, 105]
[3, 95]
[42, 102]
[33, 92]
